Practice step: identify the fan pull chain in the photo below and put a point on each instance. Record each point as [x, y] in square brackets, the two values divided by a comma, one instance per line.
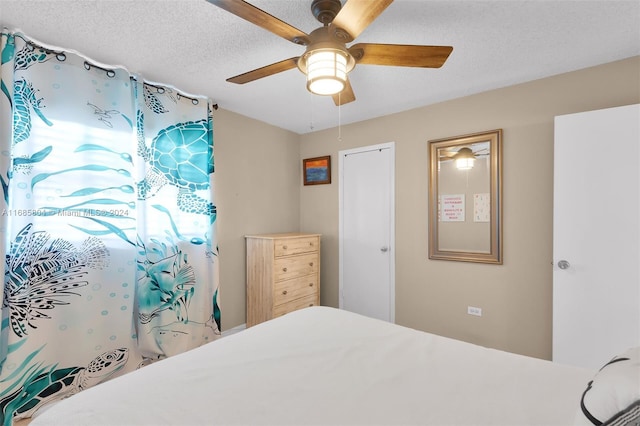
[339, 118]
[311, 112]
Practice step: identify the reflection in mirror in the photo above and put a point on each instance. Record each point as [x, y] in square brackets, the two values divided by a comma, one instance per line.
[465, 198]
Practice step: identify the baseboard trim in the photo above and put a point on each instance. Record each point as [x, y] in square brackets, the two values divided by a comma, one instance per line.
[234, 330]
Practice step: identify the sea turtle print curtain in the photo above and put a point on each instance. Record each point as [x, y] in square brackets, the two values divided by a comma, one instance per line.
[107, 224]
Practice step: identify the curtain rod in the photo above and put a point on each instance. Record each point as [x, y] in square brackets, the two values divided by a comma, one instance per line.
[61, 56]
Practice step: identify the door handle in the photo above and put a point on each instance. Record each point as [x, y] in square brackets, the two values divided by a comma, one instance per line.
[563, 264]
[384, 249]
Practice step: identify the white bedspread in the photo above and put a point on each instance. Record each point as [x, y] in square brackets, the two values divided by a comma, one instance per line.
[326, 366]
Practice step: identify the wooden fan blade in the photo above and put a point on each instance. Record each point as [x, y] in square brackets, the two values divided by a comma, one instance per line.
[345, 96]
[401, 55]
[265, 71]
[356, 15]
[262, 19]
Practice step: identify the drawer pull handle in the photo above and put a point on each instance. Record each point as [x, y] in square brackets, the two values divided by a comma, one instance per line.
[310, 284]
[284, 269]
[310, 263]
[284, 292]
[284, 247]
[310, 304]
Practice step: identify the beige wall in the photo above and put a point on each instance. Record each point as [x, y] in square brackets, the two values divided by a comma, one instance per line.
[433, 295]
[259, 189]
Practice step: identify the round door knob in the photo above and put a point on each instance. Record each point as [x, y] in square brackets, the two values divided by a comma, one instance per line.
[384, 249]
[563, 264]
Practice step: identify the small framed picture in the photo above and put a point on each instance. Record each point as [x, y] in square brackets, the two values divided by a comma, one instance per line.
[317, 170]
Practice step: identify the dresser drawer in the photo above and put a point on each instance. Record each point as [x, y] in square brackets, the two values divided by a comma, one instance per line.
[295, 305]
[286, 291]
[286, 268]
[289, 246]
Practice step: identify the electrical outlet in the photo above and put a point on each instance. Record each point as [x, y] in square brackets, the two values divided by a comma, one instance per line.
[472, 310]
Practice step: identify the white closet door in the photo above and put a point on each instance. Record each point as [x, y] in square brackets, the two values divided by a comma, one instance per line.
[596, 237]
[367, 231]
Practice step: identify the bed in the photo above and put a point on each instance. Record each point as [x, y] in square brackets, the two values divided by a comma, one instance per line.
[325, 366]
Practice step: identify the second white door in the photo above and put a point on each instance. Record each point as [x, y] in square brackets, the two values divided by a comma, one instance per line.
[596, 235]
[366, 241]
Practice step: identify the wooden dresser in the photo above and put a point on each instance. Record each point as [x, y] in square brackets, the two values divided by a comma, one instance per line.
[283, 274]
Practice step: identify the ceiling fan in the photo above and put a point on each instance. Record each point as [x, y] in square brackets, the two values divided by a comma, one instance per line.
[477, 150]
[465, 156]
[327, 60]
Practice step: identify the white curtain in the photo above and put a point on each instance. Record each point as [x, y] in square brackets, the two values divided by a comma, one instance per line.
[108, 224]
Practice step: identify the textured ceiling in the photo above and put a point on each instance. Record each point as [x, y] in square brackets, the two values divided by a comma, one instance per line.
[195, 46]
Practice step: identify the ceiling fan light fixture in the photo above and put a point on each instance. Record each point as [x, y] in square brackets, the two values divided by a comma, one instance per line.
[326, 71]
[342, 22]
[464, 159]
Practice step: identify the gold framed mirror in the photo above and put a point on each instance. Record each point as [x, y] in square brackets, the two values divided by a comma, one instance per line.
[465, 198]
